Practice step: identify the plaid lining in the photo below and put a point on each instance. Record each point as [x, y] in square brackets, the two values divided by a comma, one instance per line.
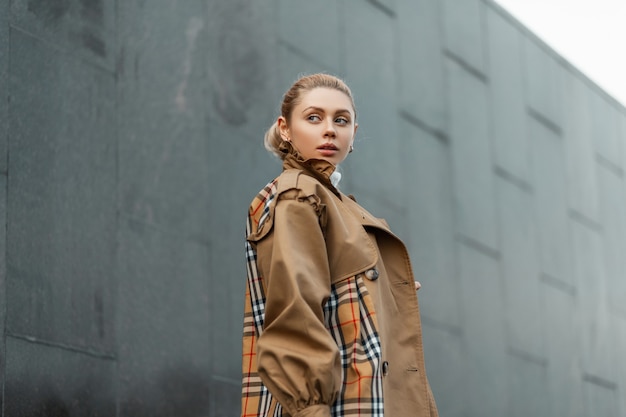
[349, 317]
[256, 400]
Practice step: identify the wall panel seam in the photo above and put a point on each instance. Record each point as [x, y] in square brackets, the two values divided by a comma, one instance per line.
[542, 119]
[558, 284]
[61, 50]
[437, 324]
[465, 65]
[599, 381]
[85, 351]
[584, 220]
[383, 8]
[512, 179]
[528, 357]
[609, 166]
[479, 247]
[294, 49]
[420, 124]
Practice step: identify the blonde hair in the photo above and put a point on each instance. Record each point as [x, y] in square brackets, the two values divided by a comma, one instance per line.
[292, 98]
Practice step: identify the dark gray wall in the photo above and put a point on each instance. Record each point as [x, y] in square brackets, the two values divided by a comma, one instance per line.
[131, 145]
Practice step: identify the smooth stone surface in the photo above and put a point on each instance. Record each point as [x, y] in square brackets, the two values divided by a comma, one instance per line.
[612, 196]
[520, 269]
[579, 149]
[421, 79]
[464, 31]
[484, 334]
[594, 319]
[563, 351]
[471, 156]
[87, 29]
[549, 187]
[430, 223]
[544, 86]
[61, 198]
[297, 27]
[164, 356]
[44, 380]
[508, 106]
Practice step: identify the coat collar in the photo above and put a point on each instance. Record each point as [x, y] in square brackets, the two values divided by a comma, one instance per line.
[317, 168]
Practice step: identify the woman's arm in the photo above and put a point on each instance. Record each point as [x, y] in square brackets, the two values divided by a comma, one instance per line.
[298, 359]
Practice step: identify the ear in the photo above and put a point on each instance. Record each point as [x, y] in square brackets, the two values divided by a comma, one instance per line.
[356, 126]
[283, 128]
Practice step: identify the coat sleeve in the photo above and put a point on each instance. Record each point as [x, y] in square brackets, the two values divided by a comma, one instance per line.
[298, 360]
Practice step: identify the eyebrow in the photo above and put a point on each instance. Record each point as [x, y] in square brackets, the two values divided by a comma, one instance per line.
[319, 109]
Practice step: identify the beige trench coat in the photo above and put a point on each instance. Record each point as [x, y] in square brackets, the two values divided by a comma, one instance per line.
[313, 246]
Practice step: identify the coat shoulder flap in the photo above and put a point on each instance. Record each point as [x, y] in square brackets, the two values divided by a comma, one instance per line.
[287, 185]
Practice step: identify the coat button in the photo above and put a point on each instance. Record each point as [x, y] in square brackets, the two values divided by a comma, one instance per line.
[385, 368]
[372, 274]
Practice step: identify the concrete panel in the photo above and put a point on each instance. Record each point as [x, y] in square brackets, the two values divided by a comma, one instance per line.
[443, 353]
[463, 23]
[227, 300]
[527, 388]
[242, 57]
[150, 178]
[386, 6]
[294, 64]
[420, 61]
[563, 351]
[621, 122]
[3, 291]
[579, 149]
[163, 132]
[600, 401]
[589, 269]
[227, 225]
[227, 273]
[4, 83]
[428, 186]
[226, 398]
[483, 329]
[61, 198]
[44, 380]
[612, 195]
[520, 270]
[370, 73]
[163, 323]
[508, 107]
[619, 347]
[228, 212]
[544, 88]
[605, 130]
[85, 28]
[471, 156]
[299, 26]
[550, 198]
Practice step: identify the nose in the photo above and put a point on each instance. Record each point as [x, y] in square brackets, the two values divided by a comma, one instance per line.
[329, 129]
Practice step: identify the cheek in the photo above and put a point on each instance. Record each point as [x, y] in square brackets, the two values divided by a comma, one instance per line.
[305, 133]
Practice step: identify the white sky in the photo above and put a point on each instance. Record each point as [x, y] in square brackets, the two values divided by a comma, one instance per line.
[590, 34]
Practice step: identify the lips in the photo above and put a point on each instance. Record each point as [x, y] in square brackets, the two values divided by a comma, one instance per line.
[328, 146]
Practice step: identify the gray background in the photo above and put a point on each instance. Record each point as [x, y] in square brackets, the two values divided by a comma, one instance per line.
[131, 145]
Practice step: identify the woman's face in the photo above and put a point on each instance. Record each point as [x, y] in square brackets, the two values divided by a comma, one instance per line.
[322, 125]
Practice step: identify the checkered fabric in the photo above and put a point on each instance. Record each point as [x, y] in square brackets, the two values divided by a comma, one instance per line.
[350, 319]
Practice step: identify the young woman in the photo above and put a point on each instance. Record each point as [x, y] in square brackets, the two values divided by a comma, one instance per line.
[331, 323]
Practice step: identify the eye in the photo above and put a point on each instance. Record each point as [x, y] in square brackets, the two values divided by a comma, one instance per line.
[342, 120]
[313, 118]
